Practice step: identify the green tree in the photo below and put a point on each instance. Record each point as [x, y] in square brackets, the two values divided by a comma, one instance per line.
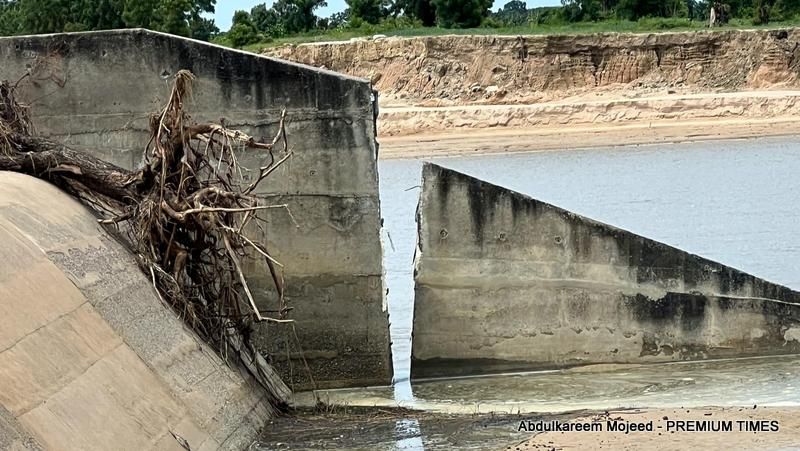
[581, 10]
[425, 11]
[242, 32]
[267, 21]
[9, 18]
[298, 15]
[370, 11]
[183, 17]
[139, 13]
[179, 17]
[43, 16]
[461, 13]
[202, 28]
[422, 10]
[514, 12]
[338, 20]
[95, 15]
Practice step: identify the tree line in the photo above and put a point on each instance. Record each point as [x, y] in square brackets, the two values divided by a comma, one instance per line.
[759, 11]
[181, 17]
[291, 17]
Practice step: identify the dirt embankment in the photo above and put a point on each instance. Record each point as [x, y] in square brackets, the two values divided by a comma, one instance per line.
[460, 70]
[444, 83]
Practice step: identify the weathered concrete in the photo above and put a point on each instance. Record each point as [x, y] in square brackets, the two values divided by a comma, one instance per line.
[95, 91]
[506, 282]
[90, 358]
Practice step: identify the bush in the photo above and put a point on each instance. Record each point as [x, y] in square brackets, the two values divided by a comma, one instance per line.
[461, 13]
[242, 34]
[663, 23]
[492, 22]
[400, 23]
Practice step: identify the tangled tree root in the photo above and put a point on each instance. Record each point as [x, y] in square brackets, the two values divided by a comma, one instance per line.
[184, 215]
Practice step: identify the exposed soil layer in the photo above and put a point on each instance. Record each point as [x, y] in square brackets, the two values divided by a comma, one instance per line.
[459, 70]
[446, 83]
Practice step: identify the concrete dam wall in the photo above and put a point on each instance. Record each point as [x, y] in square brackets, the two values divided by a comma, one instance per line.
[90, 358]
[96, 92]
[506, 282]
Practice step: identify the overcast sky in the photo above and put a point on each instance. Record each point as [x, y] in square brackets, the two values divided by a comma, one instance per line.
[225, 8]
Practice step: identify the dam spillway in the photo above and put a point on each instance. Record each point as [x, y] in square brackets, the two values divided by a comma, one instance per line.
[90, 358]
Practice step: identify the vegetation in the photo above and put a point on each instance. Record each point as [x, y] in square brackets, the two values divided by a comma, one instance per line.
[297, 20]
[181, 17]
[427, 17]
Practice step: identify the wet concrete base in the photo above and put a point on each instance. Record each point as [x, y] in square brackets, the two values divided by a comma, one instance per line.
[355, 428]
[767, 381]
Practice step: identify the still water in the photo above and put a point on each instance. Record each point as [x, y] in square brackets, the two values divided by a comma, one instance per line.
[731, 201]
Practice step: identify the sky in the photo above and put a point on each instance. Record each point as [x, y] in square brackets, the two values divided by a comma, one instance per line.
[226, 8]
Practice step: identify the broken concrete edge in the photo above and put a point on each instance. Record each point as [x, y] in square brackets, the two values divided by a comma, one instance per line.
[109, 84]
[505, 282]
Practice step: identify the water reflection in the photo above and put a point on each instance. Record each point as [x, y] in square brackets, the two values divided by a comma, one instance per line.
[409, 436]
[403, 391]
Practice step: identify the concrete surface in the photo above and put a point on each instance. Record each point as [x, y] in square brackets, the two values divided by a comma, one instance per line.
[90, 358]
[96, 91]
[506, 282]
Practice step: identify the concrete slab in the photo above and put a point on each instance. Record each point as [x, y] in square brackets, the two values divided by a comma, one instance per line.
[506, 282]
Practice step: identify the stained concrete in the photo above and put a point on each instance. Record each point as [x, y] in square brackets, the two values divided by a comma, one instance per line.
[90, 358]
[95, 91]
[507, 282]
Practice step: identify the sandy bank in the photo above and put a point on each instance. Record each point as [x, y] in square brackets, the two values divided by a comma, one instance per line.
[508, 140]
[612, 111]
[414, 132]
[465, 94]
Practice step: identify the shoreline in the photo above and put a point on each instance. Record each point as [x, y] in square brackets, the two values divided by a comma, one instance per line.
[508, 140]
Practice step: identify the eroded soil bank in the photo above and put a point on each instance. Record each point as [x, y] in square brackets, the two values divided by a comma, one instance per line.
[570, 83]
[461, 70]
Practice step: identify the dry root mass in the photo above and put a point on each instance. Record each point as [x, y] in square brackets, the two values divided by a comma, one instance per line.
[184, 214]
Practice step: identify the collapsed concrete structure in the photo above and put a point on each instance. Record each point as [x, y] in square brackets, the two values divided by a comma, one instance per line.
[96, 91]
[90, 358]
[506, 282]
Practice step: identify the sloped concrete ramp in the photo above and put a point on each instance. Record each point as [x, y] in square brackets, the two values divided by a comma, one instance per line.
[506, 282]
[90, 359]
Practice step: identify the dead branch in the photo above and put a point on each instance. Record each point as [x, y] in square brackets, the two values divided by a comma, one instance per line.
[184, 214]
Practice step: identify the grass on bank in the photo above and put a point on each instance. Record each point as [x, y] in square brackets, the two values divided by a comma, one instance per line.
[389, 28]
